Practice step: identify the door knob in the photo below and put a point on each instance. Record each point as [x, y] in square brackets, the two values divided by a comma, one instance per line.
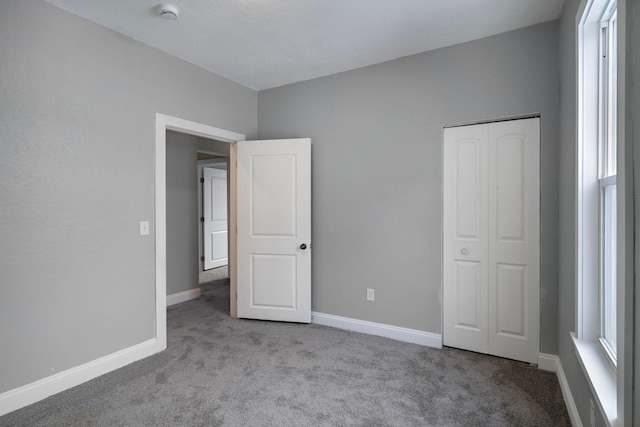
[464, 251]
[303, 246]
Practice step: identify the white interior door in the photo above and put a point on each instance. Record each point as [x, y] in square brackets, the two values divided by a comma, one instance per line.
[491, 238]
[465, 244]
[215, 224]
[274, 230]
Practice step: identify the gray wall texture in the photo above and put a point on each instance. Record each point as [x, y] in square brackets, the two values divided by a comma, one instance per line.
[633, 132]
[182, 213]
[377, 137]
[77, 282]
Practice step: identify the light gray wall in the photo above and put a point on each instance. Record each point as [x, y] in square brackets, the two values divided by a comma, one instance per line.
[633, 135]
[182, 213]
[376, 135]
[77, 176]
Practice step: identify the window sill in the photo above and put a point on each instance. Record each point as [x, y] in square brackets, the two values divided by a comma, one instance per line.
[601, 377]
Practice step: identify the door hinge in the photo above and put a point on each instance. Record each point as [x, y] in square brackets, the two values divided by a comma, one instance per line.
[201, 179]
[201, 219]
[201, 258]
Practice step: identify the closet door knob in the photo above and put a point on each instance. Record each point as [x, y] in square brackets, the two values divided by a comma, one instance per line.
[464, 251]
[303, 246]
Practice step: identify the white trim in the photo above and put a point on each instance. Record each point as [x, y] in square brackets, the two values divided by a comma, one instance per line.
[179, 297]
[413, 336]
[551, 363]
[587, 217]
[572, 409]
[41, 389]
[493, 120]
[548, 362]
[164, 123]
[601, 377]
[198, 129]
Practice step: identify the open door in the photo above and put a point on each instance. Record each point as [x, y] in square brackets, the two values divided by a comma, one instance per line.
[214, 226]
[274, 230]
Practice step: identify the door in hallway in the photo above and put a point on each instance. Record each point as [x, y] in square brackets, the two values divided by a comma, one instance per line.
[215, 240]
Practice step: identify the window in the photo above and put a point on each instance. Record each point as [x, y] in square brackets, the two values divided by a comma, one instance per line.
[607, 123]
[598, 287]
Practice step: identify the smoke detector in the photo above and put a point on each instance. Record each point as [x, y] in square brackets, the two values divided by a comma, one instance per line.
[168, 12]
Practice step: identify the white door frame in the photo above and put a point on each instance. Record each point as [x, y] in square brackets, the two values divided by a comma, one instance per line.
[164, 123]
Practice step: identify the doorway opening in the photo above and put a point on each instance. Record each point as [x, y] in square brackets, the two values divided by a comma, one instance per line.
[188, 218]
[166, 123]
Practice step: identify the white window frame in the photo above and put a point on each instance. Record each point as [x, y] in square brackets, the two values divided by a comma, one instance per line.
[607, 260]
[607, 167]
[607, 382]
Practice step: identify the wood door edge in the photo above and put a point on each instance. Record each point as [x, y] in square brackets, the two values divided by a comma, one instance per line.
[233, 232]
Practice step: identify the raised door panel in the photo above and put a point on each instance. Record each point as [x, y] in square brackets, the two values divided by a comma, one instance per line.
[273, 281]
[273, 195]
[467, 188]
[510, 170]
[511, 307]
[469, 302]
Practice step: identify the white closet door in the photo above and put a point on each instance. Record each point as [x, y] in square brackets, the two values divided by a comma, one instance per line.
[514, 239]
[465, 238]
[491, 238]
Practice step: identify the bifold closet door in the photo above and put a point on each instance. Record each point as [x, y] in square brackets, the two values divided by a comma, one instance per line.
[491, 243]
[465, 240]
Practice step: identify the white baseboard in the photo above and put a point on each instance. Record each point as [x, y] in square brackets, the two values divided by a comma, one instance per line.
[550, 362]
[388, 331]
[41, 389]
[174, 299]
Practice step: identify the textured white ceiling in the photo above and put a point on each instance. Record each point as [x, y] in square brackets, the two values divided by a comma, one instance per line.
[268, 43]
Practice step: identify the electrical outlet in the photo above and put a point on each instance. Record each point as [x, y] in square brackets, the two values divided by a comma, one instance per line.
[592, 411]
[144, 228]
[371, 295]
